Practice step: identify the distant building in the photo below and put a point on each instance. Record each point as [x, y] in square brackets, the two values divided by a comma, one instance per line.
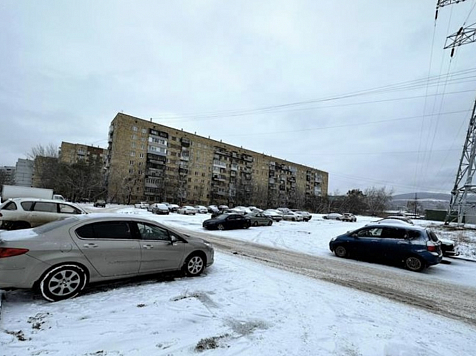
[24, 172]
[71, 153]
[152, 162]
[7, 175]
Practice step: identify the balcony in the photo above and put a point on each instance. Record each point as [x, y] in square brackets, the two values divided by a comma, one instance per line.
[185, 142]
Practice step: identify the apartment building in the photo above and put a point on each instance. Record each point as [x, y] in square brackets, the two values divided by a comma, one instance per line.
[71, 153]
[24, 172]
[150, 162]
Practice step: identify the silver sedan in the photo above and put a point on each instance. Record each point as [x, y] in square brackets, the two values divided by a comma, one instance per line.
[60, 258]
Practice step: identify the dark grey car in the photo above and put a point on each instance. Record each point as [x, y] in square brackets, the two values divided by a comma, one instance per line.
[61, 258]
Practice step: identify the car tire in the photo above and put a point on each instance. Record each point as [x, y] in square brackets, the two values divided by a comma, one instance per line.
[18, 225]
[414, 264]
[62, 282]
[255, 223]
[247, 225]
[194, 265]
[270, 223]
[220, 227]
[340, 251]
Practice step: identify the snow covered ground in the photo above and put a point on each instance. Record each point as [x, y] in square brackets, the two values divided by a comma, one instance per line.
[238, 307]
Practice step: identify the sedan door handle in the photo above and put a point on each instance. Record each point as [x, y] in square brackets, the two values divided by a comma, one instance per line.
[91, 245]
[148, 247]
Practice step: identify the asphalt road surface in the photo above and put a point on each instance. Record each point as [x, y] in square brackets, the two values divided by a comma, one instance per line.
[412, 288]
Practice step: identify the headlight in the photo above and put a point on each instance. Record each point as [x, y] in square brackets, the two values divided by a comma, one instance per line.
[333, 239]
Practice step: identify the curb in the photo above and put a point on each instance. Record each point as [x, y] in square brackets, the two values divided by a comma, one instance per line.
[462, 258]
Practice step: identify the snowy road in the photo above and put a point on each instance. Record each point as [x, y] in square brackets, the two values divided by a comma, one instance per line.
[445, 298]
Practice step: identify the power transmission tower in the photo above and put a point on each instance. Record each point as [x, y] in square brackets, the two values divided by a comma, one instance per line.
[464, 178]
[464, 35]
[467, 164]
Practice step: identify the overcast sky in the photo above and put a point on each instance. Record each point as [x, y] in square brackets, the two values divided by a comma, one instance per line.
[360, 89]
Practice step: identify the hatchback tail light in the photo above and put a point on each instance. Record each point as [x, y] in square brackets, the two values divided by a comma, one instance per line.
[10, 252]
[430, 246]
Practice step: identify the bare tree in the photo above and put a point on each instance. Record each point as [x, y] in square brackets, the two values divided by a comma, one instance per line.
[377, 200]
[43, 151]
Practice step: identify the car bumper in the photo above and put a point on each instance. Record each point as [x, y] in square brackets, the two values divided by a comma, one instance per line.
[20, 271]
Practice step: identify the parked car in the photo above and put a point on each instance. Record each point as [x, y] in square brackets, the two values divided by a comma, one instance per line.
[276, 215]
[223, 207]
[101, 247]
[212, 208]
[100, 203]
[142, 205]
[306, 216]
[173, 207]
[227, 222]
[258, 219]
[187, 210]
[414, 247]
[159, 209]
[332, 216]
[292, 216]
[201, 209]
[348, 217]
[401, 217]
[23, 213]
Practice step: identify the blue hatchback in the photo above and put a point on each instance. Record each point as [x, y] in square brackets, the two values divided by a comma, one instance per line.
[415, 247]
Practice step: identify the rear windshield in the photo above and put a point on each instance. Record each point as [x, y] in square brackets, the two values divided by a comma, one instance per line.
[9, 205]
[432, 235]
[53, 225]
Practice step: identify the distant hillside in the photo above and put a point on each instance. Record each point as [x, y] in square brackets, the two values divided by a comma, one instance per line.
[426, 200]
[422, 195]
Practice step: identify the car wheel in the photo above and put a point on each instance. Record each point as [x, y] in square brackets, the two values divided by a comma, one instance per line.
[294, 219]
[270, 223]
[220, 227]
[194, 265]
[63, 282]
[414, 264]
[247, 225]
[340, 251]
[255, 223]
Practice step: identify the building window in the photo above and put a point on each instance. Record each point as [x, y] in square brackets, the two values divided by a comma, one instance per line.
[134, 128]
[141, 155]
[144, 131]
[131, 163]
[133, 154]
[134, 137]
[133, 145]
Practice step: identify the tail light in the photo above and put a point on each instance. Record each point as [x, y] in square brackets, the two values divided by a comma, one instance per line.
[10, 252]
[430, 246]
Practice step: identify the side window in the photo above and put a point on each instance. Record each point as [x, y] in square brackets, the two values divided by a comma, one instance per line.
[68, 209]
[152, 232]
[12, 206]
[105, 230]
[394, 233]
[26, 205]
[372, 232]
[46, 207]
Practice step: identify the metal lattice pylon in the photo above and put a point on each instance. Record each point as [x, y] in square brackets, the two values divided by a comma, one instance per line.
[464, 178]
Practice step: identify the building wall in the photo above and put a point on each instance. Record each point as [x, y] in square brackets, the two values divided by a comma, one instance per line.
[71, 153]
[24, 172]
[151, 162]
